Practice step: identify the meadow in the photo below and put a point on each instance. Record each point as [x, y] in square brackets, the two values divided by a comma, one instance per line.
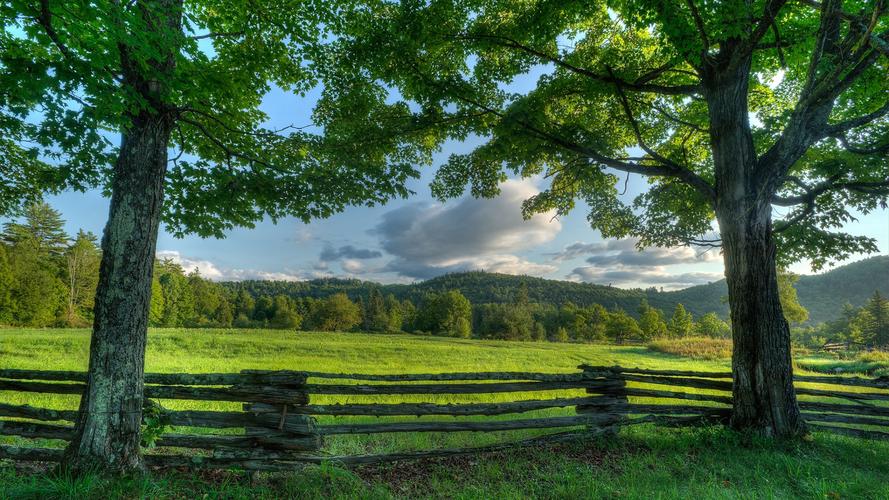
[640, 462]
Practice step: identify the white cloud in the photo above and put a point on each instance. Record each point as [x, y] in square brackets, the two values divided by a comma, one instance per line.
[473, 234]
[213, 272]
[642, 277]
[619, 263]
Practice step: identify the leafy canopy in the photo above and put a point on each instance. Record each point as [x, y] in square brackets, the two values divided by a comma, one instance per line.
[586, 92]
[64, 92]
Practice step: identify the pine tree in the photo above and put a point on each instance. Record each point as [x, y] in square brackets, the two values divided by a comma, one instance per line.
[874, 320]
[42, 227]
[681, 322]
[6, 281]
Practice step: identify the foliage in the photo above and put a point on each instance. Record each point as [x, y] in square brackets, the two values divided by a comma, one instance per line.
[711, 325]
[335, 314]
[681, 322]
[155, 423]
[448, 314]
[793, 311]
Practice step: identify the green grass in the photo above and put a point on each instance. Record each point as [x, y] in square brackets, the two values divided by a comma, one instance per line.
[869, 363]
[643, 462]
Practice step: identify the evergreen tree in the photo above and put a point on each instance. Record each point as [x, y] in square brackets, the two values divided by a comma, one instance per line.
[42, 227]
[651, 322]
[395, 313]
[376, 315]
[681, 323]
[874, 320]
[6, 282]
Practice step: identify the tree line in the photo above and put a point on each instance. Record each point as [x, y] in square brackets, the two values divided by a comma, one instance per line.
[867, 325]
[48, 278]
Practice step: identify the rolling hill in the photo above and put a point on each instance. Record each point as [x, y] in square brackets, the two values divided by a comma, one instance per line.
[822, 294]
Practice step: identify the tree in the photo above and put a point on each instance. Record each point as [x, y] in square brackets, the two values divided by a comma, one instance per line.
[680, 323]
[447, 314]
[873, 320]
[651, 322]
[375, 313]
[666, 90]
[285, 316]
[336, 313]
[794, 312]
[621, 326]
[710, 325]
[82, 265]
[42, 228]
[6, 282]
[188, 76]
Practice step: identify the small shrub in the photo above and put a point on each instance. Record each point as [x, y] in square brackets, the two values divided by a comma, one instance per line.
[694, 347]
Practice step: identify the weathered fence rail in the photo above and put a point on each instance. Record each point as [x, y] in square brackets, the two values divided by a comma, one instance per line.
[276, 426]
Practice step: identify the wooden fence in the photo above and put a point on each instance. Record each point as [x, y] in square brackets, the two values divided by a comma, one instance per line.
[280, 422]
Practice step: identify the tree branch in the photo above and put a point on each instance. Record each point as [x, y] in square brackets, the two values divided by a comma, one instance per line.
[634, 85]
[831, 184]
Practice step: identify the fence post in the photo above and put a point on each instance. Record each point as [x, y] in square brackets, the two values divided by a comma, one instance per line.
[273, 428]
[608, 398]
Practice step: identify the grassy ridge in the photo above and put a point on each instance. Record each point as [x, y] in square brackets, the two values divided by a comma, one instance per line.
[645, 462]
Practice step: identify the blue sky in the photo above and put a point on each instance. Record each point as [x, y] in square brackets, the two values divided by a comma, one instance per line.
[417, 238]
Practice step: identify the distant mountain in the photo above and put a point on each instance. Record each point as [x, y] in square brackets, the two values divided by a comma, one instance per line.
[822, 294]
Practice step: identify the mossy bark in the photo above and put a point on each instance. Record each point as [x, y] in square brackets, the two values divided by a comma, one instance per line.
[107, 432]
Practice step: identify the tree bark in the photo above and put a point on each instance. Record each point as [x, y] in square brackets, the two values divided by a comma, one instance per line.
[764, 399]
[107, 434]
[108, 428]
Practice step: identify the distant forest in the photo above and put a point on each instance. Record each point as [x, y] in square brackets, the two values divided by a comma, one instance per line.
[48, 278]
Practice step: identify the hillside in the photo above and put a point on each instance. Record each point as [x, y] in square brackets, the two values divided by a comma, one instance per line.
[822, 294]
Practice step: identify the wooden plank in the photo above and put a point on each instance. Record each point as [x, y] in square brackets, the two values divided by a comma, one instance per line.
[245, 377]
[30, 454]
[417, 409]
[35, 430]
[655, 409]
[210, 442]
[879, 383]
[296, 424]
[652, 393]
[26, 411]
[266, 394]
[488, 426]
[698, 383]
[854, 396]
[850, 431]
[358, 389]
[419, 377]
[259, 394]
[41, 387]
[645, 371]
[877, 411]
[844, 419]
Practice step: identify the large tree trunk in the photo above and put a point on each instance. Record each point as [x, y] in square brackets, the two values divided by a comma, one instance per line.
[107, 434]
[763, 394]
[108, 429]
[762, 370]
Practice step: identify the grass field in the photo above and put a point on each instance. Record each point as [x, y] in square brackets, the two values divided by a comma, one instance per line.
[643, 462]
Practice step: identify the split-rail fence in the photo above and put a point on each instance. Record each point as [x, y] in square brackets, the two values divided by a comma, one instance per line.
[281, 423]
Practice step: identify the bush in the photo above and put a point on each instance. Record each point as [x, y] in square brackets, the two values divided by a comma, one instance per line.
[695, 347]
